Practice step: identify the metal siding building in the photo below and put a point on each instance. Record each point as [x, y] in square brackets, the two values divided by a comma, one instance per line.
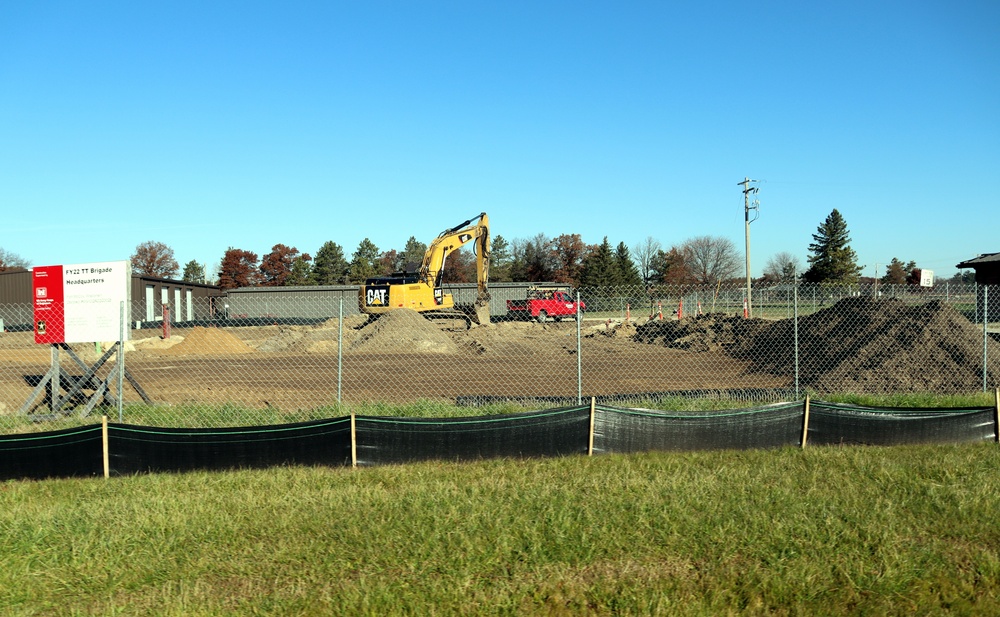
[322, 302]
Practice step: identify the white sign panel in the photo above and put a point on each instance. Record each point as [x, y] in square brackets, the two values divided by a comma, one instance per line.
[81, 303]
[926, 278]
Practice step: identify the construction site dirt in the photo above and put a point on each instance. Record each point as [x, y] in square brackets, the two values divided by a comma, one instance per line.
[403, 358]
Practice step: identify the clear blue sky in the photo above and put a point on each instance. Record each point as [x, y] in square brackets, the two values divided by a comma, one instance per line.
[206, 125]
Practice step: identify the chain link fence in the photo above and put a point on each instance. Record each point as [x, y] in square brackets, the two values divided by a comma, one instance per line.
[271, 356]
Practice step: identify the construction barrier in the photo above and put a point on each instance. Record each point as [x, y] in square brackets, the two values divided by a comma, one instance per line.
[124, 449]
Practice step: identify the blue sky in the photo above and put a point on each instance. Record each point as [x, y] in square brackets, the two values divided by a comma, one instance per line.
[206, 125]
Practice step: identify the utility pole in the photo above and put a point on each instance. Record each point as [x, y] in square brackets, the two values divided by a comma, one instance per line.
[747, 191]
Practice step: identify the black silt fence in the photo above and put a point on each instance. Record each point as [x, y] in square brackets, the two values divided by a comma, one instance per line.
[832, 423]
[74, 452]
[555, 432]
[641, 430]
[139, 449]
[372, 440]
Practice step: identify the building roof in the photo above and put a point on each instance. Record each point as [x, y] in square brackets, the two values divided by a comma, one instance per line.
[985, 258]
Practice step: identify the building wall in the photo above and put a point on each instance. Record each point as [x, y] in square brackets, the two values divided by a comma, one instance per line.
[323, 302]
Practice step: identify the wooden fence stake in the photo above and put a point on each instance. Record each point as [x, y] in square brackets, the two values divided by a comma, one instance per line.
[590, 442]
[805, 424]
[104, 439]
[996, 426]
[354, 441]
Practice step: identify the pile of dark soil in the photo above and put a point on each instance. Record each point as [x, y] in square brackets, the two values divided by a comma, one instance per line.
[700, 333]
[875, 345]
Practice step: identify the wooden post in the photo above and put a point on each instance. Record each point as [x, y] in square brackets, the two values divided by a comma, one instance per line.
[590, 441]
[996, 426]
[354, 441]
[805, 424]
[104, 439]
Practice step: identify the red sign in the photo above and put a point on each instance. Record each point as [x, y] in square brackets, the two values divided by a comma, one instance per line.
[50, 308]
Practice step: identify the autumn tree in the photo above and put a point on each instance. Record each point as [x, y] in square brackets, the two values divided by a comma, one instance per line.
[365, 262]
[238, 269]
[670, 268]
[276, 266]
[330, 267]
[154, 259]
[568, 251]
[10, 260]
[832, 260]
[194, 272]
[391, 261]
[459, 267]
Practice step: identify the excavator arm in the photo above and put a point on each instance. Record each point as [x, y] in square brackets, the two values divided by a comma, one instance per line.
[475, 230]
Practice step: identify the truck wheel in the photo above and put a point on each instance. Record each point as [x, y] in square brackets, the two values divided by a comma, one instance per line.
[542, 316]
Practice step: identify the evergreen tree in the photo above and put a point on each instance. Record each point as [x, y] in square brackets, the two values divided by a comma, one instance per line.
[832, 260]
[628, 272]
[500, 259]
[599, 268]
[300, 274]
[413, 255]
[365, 262]
[329, 267]
[895, 274]
[194, 272]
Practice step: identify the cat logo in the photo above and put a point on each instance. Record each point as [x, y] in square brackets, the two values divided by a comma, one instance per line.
[377, 296]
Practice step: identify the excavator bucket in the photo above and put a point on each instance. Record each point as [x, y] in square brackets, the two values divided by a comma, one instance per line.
[482, 313]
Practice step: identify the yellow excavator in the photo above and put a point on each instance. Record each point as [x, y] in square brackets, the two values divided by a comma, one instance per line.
[421, 291]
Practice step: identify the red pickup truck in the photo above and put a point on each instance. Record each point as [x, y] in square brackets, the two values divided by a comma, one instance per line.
[545, 304]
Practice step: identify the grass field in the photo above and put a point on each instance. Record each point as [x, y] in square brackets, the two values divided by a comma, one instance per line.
[905, 530]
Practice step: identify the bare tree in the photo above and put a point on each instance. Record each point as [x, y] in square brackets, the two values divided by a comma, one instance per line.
[9, 260]
[782, 267]
[154, 259]
[710, 259]
[645, 255]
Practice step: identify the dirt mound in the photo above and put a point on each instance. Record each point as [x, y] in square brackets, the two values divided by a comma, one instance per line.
[701, 333]
[403, 331]
[621, 329]
[865, 344]
[207, 341]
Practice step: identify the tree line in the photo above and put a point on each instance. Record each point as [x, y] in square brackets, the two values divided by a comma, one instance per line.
[702, 260]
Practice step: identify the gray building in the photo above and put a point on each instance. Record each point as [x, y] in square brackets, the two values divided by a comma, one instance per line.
[323, 302]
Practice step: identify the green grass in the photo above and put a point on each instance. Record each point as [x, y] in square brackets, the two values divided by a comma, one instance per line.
[198, 416]
[825, 531]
